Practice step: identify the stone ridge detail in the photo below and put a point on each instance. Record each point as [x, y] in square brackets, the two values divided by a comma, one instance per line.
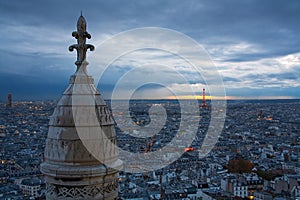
[80, 192]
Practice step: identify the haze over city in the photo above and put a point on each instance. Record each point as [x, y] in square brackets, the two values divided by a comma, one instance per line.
[254, 44]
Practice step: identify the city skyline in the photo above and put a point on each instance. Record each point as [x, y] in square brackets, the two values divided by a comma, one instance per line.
[254, 44]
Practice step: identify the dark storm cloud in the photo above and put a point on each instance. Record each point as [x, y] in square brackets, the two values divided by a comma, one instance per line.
[230, 79]
[278, 76]
[35, 34]
[263, 93]
[284, 76]
[262, 22]
[26, 87]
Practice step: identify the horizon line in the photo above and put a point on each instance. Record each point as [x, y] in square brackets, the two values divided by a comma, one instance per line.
[157, 99]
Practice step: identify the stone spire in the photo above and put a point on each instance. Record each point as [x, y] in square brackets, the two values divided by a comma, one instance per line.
[81, 120]
[81, 34]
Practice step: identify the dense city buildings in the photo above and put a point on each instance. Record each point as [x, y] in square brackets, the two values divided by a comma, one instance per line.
[23, 129]
[257, 155]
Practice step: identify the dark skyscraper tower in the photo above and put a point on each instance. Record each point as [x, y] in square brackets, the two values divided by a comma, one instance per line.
[9, 101]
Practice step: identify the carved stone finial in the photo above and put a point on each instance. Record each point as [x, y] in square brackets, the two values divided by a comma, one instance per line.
[81, 34]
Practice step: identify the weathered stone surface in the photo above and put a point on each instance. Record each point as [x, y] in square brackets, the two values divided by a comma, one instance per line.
[80, 120]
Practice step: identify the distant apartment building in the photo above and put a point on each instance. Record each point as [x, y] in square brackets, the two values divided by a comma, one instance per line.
[233, 185]
[30, 187]
[253, 181]
[287, 184]
[240, 191]
[262, 196]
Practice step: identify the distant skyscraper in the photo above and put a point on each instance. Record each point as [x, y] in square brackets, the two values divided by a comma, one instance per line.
[9, 101]
[71, 170]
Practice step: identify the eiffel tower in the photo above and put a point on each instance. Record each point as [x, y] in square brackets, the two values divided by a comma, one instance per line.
[204, 105]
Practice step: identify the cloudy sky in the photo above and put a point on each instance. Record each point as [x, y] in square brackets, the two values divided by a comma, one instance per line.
[254, 44]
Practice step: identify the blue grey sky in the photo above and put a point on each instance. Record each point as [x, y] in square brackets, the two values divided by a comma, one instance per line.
[255, 44]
